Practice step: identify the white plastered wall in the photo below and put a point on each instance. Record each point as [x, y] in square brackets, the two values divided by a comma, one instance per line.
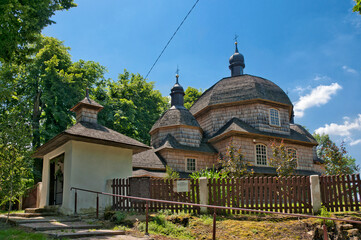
[67, 150]
[88, 166]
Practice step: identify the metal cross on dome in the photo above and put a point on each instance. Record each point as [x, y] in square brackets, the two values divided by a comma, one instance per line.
[236, 37]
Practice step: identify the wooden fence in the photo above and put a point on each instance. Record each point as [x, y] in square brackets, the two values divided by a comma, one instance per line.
[275, 194]
[159, 189]
[341, 192]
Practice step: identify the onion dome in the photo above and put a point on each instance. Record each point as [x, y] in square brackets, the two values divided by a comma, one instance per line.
[236, 63]
[177, 94]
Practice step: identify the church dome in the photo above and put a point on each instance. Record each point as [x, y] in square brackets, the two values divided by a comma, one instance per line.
[240, 88]
[175, 116]
[237, 59]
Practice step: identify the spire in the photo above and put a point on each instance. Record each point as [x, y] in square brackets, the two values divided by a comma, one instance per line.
[236, 61]
[177, 75]
[177, 92]
[235, 40]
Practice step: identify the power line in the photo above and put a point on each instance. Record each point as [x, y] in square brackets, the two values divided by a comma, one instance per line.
[171, 38]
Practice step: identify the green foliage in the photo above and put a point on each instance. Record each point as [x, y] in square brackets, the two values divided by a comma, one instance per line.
[15, 161]
[284, 162]
[325, 213]
[131, 105]
[119, 217]
[337, 161]
[160, 225]
[21, 23]
[171, 174]
[357, 7]
[210, 173]
[47, 87]
[53, 84]
[233, 163]
[191, 95]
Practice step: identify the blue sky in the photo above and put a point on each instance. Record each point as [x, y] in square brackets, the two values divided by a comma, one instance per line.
[311, 49]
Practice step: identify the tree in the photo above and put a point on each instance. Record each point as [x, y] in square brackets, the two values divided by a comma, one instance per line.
[284, 161]
[191, 95]
[233, 163]
[15, 161]
[53, 84]
[337, 161]
[21, 23]
[357, 7]
[49, 86]
[131, 105]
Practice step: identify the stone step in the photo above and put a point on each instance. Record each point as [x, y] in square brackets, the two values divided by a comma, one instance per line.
[40, 210]
[45, 226]
[30, 215]
[77, 233]
[17, 221]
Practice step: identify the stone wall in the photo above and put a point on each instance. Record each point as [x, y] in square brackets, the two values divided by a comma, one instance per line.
[248, 147]
[185, 136]
[255, 114]
[176, 159]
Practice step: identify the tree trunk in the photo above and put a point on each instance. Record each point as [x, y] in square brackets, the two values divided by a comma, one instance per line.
[36, 120]
[10, 198]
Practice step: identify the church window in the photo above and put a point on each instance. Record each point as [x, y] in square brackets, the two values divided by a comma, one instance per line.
[261, 154]
[191, 164]
[274, 117]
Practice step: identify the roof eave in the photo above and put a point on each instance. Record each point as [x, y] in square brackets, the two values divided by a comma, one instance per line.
[64, 137]
[234, 132]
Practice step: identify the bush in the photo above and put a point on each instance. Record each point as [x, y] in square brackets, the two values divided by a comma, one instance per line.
[325, 213]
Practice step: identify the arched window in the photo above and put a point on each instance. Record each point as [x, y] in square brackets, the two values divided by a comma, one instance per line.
[274, 117]
[261, 154]
[293, 152]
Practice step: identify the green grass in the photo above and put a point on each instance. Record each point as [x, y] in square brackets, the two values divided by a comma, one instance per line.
[15, 211]
[15, 234]
[160, 225]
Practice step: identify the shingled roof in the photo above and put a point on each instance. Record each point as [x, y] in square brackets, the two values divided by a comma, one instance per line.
[171, 143]
[148, 160]
[89, 103]
[297, 132]
[93, 133]
[176, 115]
[240, 88]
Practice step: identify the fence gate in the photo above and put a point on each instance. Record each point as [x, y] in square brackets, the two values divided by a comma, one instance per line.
[341, 192]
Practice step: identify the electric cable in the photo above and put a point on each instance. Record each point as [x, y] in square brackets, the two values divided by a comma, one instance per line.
[172, 38]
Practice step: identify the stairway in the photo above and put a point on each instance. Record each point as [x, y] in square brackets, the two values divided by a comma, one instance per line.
[49, 222]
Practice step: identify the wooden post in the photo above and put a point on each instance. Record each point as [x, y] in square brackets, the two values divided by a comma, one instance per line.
[146, 218]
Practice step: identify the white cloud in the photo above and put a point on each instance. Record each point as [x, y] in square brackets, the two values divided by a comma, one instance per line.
[301, 90]
[345, 129]
[349, 70]
[318, 96]
[355, 142]
[321, 78]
